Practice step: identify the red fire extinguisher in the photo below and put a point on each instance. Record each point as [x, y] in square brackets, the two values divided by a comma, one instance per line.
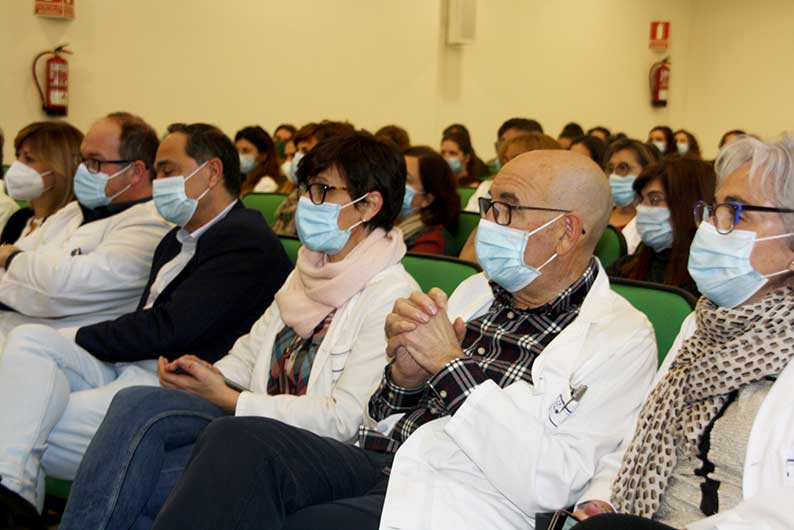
[659, 77]
[55, 97]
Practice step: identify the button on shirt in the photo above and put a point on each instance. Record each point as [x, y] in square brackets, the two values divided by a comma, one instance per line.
[501, 345]
[171, 270]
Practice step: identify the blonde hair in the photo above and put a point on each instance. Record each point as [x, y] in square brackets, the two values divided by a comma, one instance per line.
[57, 144]
[530, 141]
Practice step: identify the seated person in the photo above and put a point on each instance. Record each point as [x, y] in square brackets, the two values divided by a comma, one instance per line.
[475, 412]
[669, 190]
[569, 133]
[395, 136]
[457, 150]
[90, 261]
[206, 289]
[600, 132]
[305, 139]
[506, 132]
[662, 138]
[731, 136]
[282, 135]
[431, 203]
[590, 146]
[259, 163]
[686, 143]
[311, 361]
[623, 162]
[712, 448]
[41, 175]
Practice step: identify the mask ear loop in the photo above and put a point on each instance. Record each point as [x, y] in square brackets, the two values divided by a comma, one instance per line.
[362, 221]
[125, 188]
[191, 176]
[772, 238]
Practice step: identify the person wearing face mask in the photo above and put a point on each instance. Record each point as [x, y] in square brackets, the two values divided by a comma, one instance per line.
[91, 259]
[669, 190]
[305, 139]
[431, 203]
[716, 434]
[41, 175]
[661, 137]
[686, 143]
[623, 162]
[282, 135]
[457, 150]
[206, 289]
[310, 361]
[476, 411]
[259, 163]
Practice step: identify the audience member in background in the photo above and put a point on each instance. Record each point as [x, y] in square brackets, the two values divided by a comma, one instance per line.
[624, 161]
[669, 190]
[662, 138]
[259, 163]
[600, 132]
[41, 175]
[466, 403]
[395, 136]
[712, 449]
[686, 143]
[311, 361]
[615, 137]
[8, 206]
[569, 133]
[431, 204]
[590, 146]
[206, 289]
[305, 139]
[507, 131]
[731, 136]
[457, 150]
[90, 261]
[283, 134]
[456, 128]
[518, 145]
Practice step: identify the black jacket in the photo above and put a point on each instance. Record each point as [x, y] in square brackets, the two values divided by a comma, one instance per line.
[238, 266]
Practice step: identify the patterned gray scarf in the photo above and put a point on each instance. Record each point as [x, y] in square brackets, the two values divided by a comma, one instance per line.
[730, 349]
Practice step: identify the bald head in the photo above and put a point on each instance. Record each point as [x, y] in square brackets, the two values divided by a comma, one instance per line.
[564, 180]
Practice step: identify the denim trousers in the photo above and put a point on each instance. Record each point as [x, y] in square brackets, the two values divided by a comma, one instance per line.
[259, 473]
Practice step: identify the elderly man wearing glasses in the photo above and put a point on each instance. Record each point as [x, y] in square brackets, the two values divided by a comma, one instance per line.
[497, 403]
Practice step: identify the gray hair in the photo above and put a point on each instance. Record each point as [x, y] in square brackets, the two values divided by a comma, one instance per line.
[771, 170]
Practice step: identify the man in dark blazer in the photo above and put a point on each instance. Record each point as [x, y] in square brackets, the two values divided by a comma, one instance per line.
[212, 277]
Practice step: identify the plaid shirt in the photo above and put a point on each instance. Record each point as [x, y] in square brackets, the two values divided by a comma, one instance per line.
[501, 345]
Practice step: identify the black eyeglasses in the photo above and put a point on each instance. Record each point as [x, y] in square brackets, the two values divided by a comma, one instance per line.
[94, 165]
[727, 214]
[318, 191]
[503, 212]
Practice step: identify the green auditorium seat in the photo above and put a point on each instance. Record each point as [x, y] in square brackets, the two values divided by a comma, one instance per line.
[430, 270]
[58, 488]
[5, 168]
[266, 203]
[611, 246]
[666, 307]
[467, 222]
[465, 193]
[291, 246]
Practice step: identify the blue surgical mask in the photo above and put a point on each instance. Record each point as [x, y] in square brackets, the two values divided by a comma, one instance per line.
[293, 168]
[682, 147]
[500, 252]
[318, 225]
[721, 267]
[172, 202]
[622, 189]
[89, 188]
[653, 224]
[455, 164]
[247, 164]
[408, 198]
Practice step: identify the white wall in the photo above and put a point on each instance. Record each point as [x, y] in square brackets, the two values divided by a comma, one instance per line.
[236, 62]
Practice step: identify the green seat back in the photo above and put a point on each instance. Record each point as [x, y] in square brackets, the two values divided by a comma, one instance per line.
[430, 271]
[22, 204]
[266, 203]
[611, 246]
[465, 193]
[467, 222]
[58, 488]
[666, 307]
[291, 246]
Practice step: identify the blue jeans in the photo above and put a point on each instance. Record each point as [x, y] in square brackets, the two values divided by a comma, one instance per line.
[259, 473]
[136, 458]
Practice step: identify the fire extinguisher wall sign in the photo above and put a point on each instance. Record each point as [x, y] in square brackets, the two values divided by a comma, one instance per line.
[55, 96]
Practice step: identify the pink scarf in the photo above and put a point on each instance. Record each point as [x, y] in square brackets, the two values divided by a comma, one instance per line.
[318, 286]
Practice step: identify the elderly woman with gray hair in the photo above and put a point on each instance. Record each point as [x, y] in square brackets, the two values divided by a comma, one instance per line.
[713, 447]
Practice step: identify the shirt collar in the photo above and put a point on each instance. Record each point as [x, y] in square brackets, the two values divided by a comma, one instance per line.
[183, 236]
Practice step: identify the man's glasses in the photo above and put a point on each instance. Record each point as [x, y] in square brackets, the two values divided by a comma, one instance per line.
[94, 165]
[503, 212]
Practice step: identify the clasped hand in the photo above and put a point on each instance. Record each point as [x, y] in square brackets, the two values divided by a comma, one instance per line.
[198, 377]
[421, 338]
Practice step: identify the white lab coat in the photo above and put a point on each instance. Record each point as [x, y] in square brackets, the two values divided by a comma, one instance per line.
[71, 275]
[346, 370]
[632, 236]
[499, 460]
[768, 477]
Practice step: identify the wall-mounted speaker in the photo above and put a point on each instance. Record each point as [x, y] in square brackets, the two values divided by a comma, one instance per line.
[461, 21]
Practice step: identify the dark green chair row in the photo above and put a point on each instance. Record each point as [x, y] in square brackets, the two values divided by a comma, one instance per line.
[266, 203]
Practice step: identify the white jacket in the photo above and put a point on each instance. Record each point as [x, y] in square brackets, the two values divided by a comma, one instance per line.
[81, 274]
[768, 477]
[347, 369]
[499, 460]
